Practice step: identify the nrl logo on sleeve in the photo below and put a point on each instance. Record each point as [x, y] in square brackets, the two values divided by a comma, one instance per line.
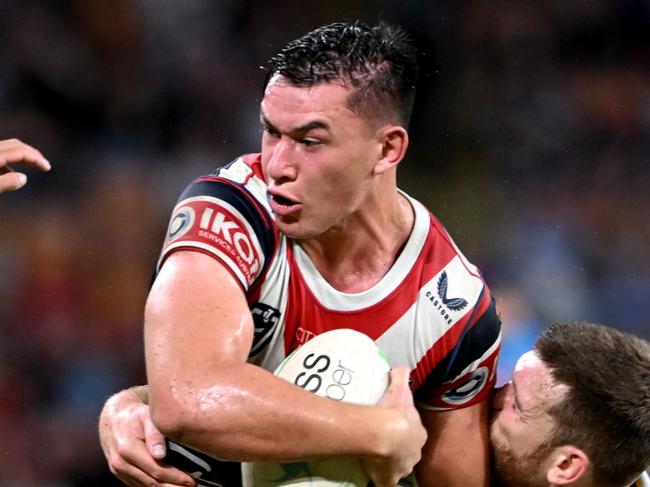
[266, 319]
[182, 220]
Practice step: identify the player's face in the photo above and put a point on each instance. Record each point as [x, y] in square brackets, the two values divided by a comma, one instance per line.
[521, 424]
[317, 155]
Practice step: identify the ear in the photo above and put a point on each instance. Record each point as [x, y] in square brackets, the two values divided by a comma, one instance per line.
[394, 140]
[568, 464]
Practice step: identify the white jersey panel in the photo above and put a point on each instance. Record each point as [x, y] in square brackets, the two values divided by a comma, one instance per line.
[430, 318]
[275, 293]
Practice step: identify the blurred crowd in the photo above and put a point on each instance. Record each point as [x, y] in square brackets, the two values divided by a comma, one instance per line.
[530, 141]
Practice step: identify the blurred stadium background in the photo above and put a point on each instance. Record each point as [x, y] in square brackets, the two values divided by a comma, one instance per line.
[530, 141]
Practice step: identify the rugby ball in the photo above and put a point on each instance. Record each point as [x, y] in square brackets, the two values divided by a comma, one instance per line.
[342, 365]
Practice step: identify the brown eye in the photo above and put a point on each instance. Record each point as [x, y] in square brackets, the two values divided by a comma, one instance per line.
[270, 131]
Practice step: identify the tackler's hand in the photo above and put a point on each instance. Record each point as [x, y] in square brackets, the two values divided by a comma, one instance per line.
[13, 151]
[133, 446]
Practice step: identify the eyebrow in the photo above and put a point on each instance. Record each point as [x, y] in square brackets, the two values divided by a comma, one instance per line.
[306, 127]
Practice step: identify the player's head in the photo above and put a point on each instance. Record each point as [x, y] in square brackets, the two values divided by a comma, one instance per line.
[378, 64]
[577, 411]
[335, 106]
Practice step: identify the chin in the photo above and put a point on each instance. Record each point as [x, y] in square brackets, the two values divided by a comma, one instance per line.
[511, 470]
[295, 230]
[301, 229]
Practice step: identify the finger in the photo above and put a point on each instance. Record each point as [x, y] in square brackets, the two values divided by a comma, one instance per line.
[133, 477]
[399, 376]
[155, 440]
[174, 476]
[12, 181]
[159, 471]
[151, 473]
[14, 152]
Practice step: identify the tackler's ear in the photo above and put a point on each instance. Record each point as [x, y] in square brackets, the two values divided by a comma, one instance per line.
[568, 464]
[393, 141]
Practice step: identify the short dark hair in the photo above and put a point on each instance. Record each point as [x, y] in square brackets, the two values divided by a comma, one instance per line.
[606, 412]
[380, 62]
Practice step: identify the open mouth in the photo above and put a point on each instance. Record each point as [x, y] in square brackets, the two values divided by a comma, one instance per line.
[281, 200]
[283, 206]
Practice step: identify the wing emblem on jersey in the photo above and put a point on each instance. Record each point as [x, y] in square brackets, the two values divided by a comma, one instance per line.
[454, 304]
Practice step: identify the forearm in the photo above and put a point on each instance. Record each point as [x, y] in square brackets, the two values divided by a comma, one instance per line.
[264, 418]
[122, 400]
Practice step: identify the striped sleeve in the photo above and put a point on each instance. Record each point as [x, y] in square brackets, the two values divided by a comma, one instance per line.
[467, 374]
[220, 218]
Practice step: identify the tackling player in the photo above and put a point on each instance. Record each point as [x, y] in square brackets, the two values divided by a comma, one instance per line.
[577, 412]
[311, 235]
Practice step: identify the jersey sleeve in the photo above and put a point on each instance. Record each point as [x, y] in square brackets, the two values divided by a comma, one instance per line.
[220, 218]
[467, 374]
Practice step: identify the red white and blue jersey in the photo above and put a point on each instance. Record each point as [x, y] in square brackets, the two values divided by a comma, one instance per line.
[432, 311]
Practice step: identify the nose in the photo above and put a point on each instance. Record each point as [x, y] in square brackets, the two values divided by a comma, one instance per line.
[279, 161]
[499, 396]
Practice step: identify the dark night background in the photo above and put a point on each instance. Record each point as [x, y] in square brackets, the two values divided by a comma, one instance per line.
[530, 141]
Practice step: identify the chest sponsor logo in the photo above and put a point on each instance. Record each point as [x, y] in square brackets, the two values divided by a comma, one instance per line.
[265, 319]
[220, 228]
[182, 220]
[442, 302]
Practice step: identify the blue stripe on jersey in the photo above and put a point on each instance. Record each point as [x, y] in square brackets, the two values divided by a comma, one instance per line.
[238, 196]
[474, 343]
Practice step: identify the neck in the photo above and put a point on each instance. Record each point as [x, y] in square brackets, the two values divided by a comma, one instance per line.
[355, 254]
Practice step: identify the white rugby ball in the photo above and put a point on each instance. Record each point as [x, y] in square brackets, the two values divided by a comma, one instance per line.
[343, 365]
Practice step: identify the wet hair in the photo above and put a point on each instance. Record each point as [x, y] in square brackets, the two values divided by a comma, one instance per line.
[378, 62]
[606, 411]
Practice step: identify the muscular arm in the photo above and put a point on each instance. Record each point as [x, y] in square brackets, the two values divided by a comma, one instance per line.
[198, 332]
[456, 453]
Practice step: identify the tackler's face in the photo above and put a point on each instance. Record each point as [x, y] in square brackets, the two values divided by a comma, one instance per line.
[521, 424]
[317, 156]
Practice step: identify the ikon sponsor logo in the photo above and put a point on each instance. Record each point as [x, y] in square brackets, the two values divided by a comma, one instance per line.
[231, 235]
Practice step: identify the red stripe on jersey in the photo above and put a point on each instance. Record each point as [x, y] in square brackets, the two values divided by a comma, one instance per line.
[292, 323]
[307, 317]
[438, 397]
[254, 161]
[445, 236]
[448, 341]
